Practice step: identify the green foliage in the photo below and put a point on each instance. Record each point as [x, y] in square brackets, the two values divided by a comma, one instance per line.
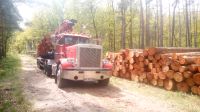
[8, 66]
[9, 18]
[11, 97]
[108, 21]
[44, 22]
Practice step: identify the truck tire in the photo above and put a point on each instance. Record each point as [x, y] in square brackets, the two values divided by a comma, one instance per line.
[59, 80]
[104, 82]
[48, 70]
[38, 65]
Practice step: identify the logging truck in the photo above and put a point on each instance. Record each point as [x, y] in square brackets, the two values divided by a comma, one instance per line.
[70, 57]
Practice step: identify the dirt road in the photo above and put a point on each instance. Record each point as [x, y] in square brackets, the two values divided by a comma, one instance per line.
[83, 97]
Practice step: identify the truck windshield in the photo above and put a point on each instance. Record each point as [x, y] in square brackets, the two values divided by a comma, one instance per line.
[71, 40]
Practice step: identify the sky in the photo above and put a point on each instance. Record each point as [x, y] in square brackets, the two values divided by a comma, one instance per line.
[28, 10]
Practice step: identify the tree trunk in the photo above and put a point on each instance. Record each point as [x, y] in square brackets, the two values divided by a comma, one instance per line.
[173, 24]
[180, 32]
[142, 24]
[195, 26]
[114, 34]
[157, 25]
[148, 38]
[187, 25]
[123, 29]
[131, 25]
[161, 24]
[170, 37]
[93, 21]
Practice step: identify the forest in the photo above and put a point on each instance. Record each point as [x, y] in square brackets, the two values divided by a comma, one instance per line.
[117, 23]
[9, 17]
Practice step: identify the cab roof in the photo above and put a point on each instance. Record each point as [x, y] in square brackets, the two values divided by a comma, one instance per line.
[75, 34]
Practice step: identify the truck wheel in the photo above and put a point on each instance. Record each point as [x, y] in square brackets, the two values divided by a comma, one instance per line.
[48, 70]
[38, 65]
[104, 82]
[59, 80]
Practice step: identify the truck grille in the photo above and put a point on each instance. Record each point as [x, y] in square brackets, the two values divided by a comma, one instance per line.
[90, 57]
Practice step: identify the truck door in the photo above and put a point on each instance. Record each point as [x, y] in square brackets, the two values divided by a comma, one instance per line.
[59, 50]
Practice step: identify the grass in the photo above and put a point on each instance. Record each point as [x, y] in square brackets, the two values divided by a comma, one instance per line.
[11, 93]
[179, 101]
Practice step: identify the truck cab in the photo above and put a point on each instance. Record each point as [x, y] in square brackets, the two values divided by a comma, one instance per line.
[78, 58]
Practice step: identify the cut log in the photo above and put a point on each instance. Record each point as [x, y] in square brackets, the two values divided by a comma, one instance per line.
[149, 76]
[145, 81]
[153, 70]
[168, 84]
[130, 67]
[158, 70]
[178, 77]
[198, 90]
[141, 78]
[188, 54]
[165, 56]
[141, 64]
[146, 62]
[161, 67]
[193, 67]
[135, 66]
[174, 56]
[196, 78]
[136, 78]
[175, 66]
[152, 51]
[141, 58]
[190, 82]
[115, 73]
[145, 52]
[198, 60]
[186, 60]
[155, 76]
[137, 54]
[170, 74]
[143, 75]
[127, 75]
[183, 69]
[165, 68]
[155, 62]
[150, 57]
[131, 60]
[199, 69]
[131, 53]
[142, 69]
[163, 50]
[194, 89]
[157, 56]
[187, 74]
[182, 86]
[154, 82]
[157, 65]
[150, 66]
[160, 82]
[161, 75]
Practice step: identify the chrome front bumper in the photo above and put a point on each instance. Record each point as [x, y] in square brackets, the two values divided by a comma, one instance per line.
[85, 75]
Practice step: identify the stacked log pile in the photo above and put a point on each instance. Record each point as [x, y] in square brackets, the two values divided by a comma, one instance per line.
[44, 46]
[170, 68]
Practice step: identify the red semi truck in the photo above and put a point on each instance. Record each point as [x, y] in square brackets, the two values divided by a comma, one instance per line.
[75, 57]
